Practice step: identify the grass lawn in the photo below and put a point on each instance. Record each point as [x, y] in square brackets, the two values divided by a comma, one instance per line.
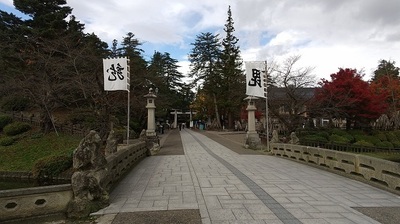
[22, 155]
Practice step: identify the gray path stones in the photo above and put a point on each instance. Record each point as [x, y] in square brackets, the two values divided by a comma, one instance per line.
[231, 188]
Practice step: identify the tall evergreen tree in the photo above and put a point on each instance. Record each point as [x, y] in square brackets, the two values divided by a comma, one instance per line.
[47, 17]
[386, 68]
[386, 80]
[53, 63]
[164, 75]
[42, 46]
[114, 49]
[165, 69]
[10, 41]
[230, 67]
[204, 59]
[139, 80]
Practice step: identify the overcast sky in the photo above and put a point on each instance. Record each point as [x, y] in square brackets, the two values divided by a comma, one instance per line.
[328, 34]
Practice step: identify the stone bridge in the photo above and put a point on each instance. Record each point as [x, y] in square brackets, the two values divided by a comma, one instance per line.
[208, 177]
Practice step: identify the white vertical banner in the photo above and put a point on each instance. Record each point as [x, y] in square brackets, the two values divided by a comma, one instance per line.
[117, 77]
[255, 71]
[116, 74]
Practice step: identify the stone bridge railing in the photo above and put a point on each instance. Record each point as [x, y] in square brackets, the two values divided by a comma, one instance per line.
[38, 201]
[378, 172]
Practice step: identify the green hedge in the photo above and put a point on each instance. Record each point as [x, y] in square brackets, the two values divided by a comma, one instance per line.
[6, 141]
[385, 144]
[323, 134]
[364, 143]
[375, 138]
[339, 139]
[316, 138]
[391, 137]
[368, 138]
[15, 104]
[4, 120]
[16, 128]
[396, 144]
[397, 133]
[51, 166]
[381, 136]
[343, 134]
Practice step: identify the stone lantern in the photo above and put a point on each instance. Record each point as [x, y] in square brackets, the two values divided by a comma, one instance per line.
[151, 117]
[252, 139]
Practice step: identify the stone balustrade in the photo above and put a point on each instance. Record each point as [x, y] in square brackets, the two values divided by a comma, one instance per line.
[35, 201]
[376, 171]
[47, 200]
[124, 159]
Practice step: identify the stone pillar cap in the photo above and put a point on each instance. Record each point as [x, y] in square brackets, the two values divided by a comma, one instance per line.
[251, 98]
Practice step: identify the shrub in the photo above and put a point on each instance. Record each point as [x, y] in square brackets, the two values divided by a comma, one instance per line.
[120, 135]
[338, 139]
[15, 104]
[368, 138]
[364, 143]
[314, 138]
[16, 128]
[4, 120]
[338, 132]
[396, 144]
[37, 135]
[6, 141]
[381, 135]
[344, 134]
[385, 144]
[391, 137]
[51, 166]
[397, 133]
[356, 132]
[323, 134]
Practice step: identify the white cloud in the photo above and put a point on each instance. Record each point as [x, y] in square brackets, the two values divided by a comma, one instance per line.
[7, 2]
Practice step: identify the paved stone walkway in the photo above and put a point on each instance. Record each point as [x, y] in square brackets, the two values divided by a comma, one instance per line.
[230, 188]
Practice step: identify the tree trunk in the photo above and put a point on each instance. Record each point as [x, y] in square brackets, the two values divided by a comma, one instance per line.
[230, 120]
[46, 122]
[216, 111]
[348, 124]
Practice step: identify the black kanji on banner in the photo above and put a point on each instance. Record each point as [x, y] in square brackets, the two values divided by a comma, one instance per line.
[256, 78]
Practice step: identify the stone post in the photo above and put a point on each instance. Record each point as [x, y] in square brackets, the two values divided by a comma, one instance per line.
[252, 139]
[176, 119]
[151, 115]
[152, 141]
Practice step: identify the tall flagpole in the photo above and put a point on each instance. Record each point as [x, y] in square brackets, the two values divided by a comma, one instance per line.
[129, 98]
[266, 103]
[127, 126]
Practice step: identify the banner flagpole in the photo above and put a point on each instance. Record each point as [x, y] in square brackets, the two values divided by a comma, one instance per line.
[266, 104]
[128, 86]
[117, 77]
[127, 126]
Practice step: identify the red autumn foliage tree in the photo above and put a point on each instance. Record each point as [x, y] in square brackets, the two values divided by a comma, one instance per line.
[389, 86]
[348, 96]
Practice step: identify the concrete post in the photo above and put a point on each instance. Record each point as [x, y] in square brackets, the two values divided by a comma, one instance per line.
[176, 119]
[152, 140]
[252, 139]
[151, 117]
